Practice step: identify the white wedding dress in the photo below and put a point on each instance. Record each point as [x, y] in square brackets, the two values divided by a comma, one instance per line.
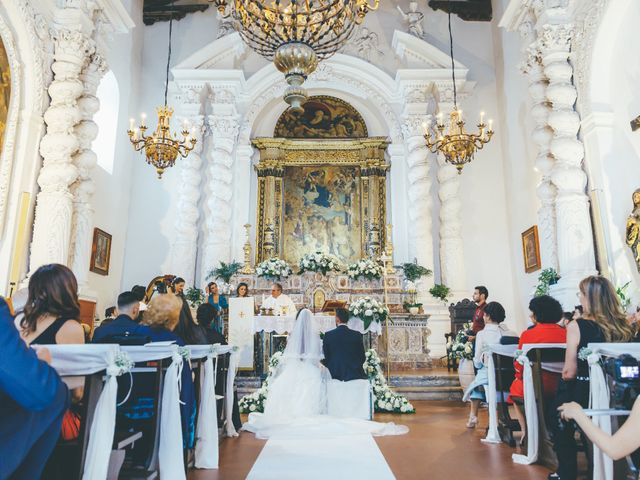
[296, 402]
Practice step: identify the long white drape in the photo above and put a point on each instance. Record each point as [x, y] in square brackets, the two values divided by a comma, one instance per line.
[170, 448]
[493, 435]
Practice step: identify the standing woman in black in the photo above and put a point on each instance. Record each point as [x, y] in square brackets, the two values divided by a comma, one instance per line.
[603, 320]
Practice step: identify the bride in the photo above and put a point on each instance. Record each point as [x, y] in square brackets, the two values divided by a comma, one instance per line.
[297, 392]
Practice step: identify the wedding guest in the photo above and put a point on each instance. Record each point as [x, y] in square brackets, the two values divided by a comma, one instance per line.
[622, 443]
[480, 295]
[218, 300]
[140, 292]
[178, 286]
[242, 290]
[577, 312]
[545, 312]
[493, 330]
[279, 302]
[124, 326]
[162, 318]
[188, 330]
[34, 400]
[109, 315]
[603, 320]
[207, 317]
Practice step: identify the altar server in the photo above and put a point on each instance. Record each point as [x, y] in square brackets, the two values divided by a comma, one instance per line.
[279, 302]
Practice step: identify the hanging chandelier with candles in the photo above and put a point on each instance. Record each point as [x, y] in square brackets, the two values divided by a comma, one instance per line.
[457, 146]
[295, 34]
[162, 148]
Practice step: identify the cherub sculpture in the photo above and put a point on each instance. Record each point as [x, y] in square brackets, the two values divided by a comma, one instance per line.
[414, 18]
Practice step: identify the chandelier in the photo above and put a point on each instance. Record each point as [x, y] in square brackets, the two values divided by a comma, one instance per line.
[162, 148]
[457, 146]
[296, 34]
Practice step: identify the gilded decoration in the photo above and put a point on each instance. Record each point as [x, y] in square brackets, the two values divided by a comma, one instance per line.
[633, 228]
[323, 117]
[5, 91]
[321, 195]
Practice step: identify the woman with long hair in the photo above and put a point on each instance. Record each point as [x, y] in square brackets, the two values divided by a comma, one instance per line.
[52, 309]
[242, 290]
[603, 320]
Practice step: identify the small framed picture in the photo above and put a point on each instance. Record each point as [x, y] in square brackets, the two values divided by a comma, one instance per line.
[100, 252]
[531, 250]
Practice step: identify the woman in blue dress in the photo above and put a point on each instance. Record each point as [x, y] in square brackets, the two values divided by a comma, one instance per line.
[219, 301]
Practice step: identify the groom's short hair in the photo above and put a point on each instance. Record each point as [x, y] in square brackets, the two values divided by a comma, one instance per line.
[342, 314]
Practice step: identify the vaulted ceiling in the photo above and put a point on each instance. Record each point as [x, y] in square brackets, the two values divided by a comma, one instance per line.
[160, 10]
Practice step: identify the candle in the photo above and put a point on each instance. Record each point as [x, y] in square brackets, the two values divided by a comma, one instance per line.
[135, 134]
[481, 117]
[131, 123]
[490, 125]
[143, 118]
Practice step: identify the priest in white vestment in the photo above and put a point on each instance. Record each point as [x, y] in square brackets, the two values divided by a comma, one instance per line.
[279, 302]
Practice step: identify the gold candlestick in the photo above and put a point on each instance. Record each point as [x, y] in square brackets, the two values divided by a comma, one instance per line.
[388, 250]
[247, 252]
[385, 259]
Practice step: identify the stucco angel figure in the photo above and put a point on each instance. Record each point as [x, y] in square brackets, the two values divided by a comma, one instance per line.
[366, 43]
[414, 18]
[633, 228]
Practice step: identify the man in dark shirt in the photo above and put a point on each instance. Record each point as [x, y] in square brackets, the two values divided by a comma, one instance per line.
[124, 325]
[344, 350]
[33, 400]
[480, 295]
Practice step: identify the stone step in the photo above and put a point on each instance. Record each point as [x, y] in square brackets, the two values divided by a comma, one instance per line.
[451, 393]
[424, 380]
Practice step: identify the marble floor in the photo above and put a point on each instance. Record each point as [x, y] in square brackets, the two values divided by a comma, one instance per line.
[438, 446]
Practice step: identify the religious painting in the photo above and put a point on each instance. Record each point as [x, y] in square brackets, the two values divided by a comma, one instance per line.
[322, 212]
[100, 252]
[323, 117]
[5, 92]
[531, 250]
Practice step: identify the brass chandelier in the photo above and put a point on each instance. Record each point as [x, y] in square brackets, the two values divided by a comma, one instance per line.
[457, 146]
[162, 148]
[295, 34]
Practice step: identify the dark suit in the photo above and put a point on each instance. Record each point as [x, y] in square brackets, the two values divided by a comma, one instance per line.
[119, 328]
[344, 354]
[33, 400]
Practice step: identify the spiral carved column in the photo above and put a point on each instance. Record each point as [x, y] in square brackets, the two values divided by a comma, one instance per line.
[576, 257]
[420, 202]
[219, 228]
[185, 244]
[54, 203]
[542, 135]
[85, 160]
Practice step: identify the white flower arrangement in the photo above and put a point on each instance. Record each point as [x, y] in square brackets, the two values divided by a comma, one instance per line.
[255, 401]
[385, 399]
[368, 310]
[461, 347]
[274, 268]
[320, 262]
[367, 268]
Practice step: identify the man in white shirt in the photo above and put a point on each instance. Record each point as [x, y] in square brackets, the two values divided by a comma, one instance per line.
[279, 302]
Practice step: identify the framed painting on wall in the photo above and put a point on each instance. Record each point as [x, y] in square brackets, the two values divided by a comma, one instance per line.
[100, 252]
[531, 250]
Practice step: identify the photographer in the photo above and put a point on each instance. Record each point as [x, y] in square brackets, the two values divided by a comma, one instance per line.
[624, 442]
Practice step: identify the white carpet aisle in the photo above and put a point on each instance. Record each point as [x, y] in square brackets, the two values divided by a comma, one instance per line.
[350, 457]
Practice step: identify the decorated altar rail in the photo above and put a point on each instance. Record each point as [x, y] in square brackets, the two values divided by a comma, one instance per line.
[115, 360]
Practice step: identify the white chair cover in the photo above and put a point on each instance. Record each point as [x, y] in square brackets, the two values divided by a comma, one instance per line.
[72, 360]
[170, 448]
[530, 408]
[507, 350]
[228, 401]
[349, 399]
[599, 398]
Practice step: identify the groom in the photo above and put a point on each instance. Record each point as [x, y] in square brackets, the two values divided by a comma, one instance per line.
[343, 350]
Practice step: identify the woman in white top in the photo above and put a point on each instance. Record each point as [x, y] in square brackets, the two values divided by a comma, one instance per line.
[493, 331]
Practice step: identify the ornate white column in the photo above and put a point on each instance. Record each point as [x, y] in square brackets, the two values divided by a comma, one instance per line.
[224, 126]
[85, 160]
[53, 214]
[542, 135]
[420, 202]
[185, 243]
[576, 257]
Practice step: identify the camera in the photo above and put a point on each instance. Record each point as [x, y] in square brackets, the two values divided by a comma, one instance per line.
[161, 287]
[624, 372]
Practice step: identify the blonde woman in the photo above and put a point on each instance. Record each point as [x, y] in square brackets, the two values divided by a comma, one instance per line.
[603, 320]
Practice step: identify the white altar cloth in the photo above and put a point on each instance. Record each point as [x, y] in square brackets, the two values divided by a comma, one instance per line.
[282, 324]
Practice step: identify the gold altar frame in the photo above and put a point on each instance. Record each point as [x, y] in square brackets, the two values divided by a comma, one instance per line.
[278, 153]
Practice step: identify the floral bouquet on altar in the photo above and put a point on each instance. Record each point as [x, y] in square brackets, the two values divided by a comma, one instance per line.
[254, 402]
[274, 269]
[385, 399]
[368, 310]
[367, 268]
[320, 262]
[461, 347]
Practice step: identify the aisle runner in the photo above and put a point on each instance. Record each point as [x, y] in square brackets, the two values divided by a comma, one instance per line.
[338, 458]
